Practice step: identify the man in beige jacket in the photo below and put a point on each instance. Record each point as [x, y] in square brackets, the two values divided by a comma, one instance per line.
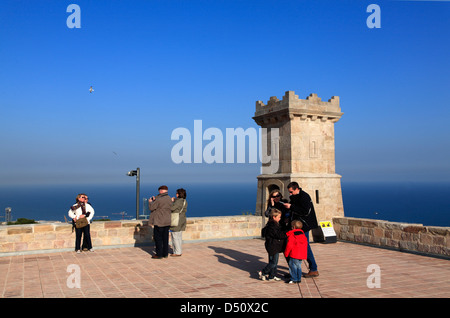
[160, 210]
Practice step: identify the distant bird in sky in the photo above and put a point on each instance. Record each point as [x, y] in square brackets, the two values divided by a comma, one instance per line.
[91, 90]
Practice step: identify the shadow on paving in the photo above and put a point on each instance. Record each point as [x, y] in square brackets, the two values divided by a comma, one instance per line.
[245, 262]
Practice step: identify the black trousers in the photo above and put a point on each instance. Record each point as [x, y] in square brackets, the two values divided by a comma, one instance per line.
[86, 233]
[161, 236]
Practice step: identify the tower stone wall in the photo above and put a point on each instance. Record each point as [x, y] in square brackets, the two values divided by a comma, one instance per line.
[305, 152]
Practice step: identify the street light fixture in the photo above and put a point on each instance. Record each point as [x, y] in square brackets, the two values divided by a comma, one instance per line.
[136, 173]
[8, 215]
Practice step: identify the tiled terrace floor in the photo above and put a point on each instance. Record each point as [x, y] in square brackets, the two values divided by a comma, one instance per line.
[222, 269]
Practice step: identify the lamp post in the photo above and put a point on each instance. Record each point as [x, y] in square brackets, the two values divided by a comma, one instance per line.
[7, 215]
[136, 173]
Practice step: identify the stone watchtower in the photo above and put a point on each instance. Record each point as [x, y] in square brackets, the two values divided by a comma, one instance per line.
[305, 151]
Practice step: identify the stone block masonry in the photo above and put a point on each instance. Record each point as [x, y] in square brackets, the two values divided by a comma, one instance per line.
[59, 236]
[431, 240]
[47, 237]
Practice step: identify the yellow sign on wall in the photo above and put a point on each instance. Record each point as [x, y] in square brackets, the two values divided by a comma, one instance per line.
[326, 224]
[328, 231]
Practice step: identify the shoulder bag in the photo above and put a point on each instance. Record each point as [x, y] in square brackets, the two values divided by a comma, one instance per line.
[80, 223]
[175, 217]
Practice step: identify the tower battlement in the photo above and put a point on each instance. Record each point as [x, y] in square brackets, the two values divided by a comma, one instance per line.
[291, 105]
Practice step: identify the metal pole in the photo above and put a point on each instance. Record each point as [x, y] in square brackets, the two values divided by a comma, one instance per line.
[8, 215]
[137, 192]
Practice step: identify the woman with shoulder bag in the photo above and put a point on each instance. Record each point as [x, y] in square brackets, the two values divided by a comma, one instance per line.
[81, 212]
[179, 208]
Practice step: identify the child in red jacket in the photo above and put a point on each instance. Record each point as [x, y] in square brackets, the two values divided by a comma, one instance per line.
[296, 250]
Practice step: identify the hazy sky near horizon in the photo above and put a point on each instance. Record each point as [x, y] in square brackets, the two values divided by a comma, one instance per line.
[159, 65]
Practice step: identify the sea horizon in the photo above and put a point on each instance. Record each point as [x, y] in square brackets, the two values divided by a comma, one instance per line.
[408, 202]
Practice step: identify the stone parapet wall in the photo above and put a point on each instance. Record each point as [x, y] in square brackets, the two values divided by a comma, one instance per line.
[207, 228]
[59, 236]
[432, 240]
[418, 238]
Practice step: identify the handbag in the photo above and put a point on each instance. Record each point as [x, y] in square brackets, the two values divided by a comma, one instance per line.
[175, 217]
[80, 223]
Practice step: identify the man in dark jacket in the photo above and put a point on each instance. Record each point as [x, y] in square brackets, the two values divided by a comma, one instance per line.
[160, 207]
[302, 209]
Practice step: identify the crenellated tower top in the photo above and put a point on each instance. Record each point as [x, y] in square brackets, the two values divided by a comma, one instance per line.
[291, 106]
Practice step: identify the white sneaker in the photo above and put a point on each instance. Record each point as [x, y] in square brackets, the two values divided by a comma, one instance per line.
[78, 251]
[275, 279]
[91, 250]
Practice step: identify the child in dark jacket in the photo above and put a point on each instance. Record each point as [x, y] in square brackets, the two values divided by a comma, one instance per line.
[296, 250]
[275, 238]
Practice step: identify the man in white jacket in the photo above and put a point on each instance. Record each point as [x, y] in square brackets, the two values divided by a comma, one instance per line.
[82, 209]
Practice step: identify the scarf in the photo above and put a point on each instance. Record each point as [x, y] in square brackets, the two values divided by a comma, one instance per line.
[83, 211]
[78, 205]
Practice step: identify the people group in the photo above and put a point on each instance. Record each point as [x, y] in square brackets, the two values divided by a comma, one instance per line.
[167, 215]
[287, 232]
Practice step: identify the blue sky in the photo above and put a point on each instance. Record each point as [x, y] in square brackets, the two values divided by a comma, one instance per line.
[159, 65]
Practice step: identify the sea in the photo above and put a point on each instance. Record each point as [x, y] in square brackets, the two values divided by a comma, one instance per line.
[424, 203]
